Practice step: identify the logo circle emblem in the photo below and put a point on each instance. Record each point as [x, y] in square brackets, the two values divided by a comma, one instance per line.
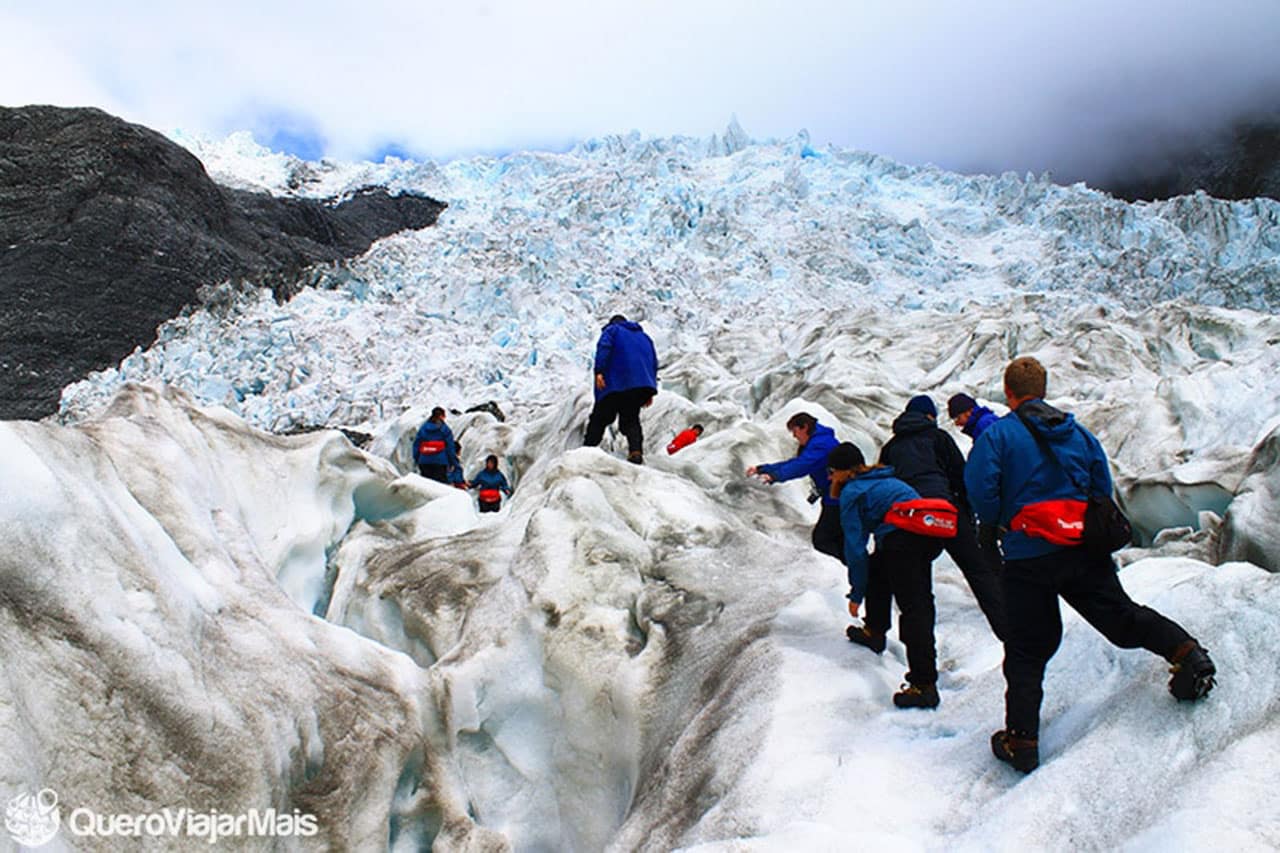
[33, 819]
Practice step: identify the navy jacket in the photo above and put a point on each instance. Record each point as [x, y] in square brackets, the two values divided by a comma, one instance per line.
[1007, 470]
[864, 500]
[811, 460]
[980, 417]
[925, 458]
[486, 479]
[433, 431]
[627, 359]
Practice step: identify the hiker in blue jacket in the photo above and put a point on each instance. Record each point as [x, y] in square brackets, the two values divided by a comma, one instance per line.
[901, 569]
[1034, 493]
[435, 451]
[972, 419]
[626, 380]
[815, 441]
[927, 459]
[491, 485]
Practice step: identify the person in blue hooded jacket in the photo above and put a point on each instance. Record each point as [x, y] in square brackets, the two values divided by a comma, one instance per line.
[901, 569]
[1016, 487]
[814, 442]
[626, 380]
[491, 485]
[972, 419]
[435, 451]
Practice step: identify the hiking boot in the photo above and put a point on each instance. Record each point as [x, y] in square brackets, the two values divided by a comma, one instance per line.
[1192, 672]
[917, 696]
[636, 457]
[862, 637]
[1017, 750]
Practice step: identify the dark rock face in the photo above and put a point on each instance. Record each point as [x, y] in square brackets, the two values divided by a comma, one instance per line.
[107, 229]
[1235, 162]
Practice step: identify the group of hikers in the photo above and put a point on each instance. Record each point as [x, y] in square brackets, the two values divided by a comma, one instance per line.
[626, 380]
[435, 451]
[1028, 519]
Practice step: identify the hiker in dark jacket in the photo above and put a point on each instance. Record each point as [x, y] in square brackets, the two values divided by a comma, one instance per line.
[815, 441]
[901, 569]
[626, 380]
[1032, 492]
[972, 419]
[491, 485]
[927, 459]
[434, 450]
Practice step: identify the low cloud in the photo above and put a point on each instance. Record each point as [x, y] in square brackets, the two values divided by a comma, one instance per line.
[987, 86]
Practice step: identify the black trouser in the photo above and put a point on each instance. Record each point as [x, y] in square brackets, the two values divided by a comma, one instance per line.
[981, 569]
[828, 535]
[902, 569]
[490, 506]
[1091, 586]
[439, 473]
[625, 406]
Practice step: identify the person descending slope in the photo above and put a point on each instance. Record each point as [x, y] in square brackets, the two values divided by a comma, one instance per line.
[927, 459]
[900, 569]
[1034, 473]
[814, 442]
[491, 485]
[434, 450]
[626, 380]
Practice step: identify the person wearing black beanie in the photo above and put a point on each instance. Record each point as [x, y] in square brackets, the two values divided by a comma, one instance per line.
[927, 459]
[900, 569]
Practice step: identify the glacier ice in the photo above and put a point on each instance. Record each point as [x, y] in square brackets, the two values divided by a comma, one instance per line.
[643, 657]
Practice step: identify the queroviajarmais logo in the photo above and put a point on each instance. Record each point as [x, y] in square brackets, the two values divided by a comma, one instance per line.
[33, 819]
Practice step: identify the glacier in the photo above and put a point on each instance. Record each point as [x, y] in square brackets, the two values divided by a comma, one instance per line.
[203, 609]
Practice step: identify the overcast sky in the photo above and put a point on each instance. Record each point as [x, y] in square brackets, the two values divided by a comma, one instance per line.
[1070, 87]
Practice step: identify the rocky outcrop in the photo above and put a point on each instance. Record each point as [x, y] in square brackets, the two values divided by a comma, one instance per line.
[107, 229]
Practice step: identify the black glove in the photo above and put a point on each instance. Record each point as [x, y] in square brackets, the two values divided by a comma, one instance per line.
[989, 536]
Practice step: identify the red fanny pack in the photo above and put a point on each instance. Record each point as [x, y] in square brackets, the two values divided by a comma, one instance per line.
[490, 496]
[1060, 522]
[925, 516]
[430, 448]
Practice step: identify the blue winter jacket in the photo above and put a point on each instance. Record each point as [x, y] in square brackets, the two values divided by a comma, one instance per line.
[811, 460]
[980, 417]
[433, 431]
[864, 500]
[627, 359]
[486, 479]
[1007, 470]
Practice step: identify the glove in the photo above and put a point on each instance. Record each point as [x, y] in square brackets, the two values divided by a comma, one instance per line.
[853, 609]
[989, 536]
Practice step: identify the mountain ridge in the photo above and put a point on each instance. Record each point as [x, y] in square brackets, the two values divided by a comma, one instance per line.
[107, 229]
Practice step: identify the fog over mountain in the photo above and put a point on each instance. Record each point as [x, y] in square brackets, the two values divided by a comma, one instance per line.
[1090, 91]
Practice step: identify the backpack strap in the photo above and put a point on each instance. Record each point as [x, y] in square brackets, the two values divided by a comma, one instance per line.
[1043, 444]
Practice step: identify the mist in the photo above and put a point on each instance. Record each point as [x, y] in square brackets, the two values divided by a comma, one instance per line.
[1086, 92]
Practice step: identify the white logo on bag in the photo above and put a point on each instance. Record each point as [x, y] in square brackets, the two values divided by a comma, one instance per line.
[33, 819]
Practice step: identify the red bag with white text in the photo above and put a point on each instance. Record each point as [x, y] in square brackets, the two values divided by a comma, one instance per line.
[933, 517]
[430, 448]
[1060, 522]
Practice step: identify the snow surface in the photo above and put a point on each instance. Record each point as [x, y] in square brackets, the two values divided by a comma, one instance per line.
[196, 611]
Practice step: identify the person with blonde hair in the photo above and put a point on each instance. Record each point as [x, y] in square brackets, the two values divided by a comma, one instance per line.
[1033, 474]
